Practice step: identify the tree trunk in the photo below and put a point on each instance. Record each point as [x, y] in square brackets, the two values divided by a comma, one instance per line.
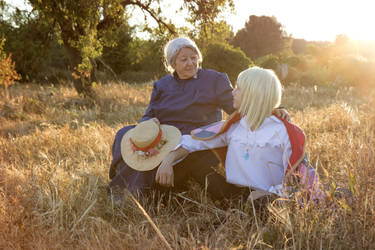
[82, 83]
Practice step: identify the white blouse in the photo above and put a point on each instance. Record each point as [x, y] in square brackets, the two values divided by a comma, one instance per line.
[257, 159]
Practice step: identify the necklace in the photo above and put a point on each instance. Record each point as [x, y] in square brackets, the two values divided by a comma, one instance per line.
[246, 155]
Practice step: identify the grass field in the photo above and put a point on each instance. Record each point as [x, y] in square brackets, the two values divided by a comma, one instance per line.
[54, 159]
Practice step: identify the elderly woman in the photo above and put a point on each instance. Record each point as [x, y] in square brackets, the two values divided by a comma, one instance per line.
[188, 98]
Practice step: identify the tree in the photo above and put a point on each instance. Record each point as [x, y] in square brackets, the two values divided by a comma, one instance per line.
[205, 16]
[117, 57]
[299, 46]
[261, 35]
[136, 54]
[85, 26]
[216, 32]
[28, 39]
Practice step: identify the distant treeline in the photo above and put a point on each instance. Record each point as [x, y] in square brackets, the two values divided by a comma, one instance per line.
[45, 51]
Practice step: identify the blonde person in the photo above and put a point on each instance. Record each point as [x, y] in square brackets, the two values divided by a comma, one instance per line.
[187, 98]
[259, 144]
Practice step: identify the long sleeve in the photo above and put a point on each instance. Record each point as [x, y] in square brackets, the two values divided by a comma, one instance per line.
[192, 145]
[149, 111]
[224, 93]
[287, 151]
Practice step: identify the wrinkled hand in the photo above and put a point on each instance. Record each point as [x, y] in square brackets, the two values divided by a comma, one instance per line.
[164, 175]
[282, 113]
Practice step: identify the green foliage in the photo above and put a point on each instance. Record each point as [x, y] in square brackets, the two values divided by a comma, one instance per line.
[136, 55]
[148, 55]
[315, 76]
[139, 77]
[28, 40]
[84, 27]
[134, 59]
[269, 61]
[219, 32]
[89, 47]
[204, 15]
[294, 61]
[261, 35]
[224, 58]
[118, 56]
[62, 35]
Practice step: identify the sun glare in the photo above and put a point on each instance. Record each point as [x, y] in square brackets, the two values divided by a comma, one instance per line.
[317, 20]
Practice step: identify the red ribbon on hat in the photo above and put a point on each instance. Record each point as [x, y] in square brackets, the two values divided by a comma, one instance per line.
[152, 145]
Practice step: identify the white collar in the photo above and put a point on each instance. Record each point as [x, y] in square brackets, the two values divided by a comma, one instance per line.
[268, 120]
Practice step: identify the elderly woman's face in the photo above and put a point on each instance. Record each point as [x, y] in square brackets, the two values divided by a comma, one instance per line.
[237, 98]
[186, 64]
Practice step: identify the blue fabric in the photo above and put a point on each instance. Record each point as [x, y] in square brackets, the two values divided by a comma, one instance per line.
[185, 104]
[123, 175]
[192, 103]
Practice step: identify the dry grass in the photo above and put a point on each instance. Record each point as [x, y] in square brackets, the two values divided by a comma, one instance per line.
[55, 153]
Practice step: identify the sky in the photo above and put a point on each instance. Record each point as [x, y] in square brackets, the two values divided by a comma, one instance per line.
[313, 20]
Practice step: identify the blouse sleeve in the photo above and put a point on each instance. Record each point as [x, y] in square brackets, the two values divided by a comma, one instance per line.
[149, 111]
[192, 145]
[287, 151]
[223, 93]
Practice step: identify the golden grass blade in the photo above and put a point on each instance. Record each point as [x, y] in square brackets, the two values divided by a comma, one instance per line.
[151, 222]
[83, 215]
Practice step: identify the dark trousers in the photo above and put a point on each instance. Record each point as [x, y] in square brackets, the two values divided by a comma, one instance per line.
[198, 166]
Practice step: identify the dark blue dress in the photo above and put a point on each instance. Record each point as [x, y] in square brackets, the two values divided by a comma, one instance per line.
[185, 104]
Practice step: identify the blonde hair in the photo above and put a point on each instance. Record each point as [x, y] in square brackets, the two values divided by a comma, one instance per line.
[173, 47]
[260, 94]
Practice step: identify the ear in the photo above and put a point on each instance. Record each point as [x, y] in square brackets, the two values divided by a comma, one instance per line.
[173, 65]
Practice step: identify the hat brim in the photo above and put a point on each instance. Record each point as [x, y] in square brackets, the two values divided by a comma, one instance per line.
[142, 163]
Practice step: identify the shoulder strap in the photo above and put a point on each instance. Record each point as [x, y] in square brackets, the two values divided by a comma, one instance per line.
[297, 141]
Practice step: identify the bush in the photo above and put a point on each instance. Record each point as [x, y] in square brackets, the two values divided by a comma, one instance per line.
[135, 55]
[224, 58]
[268, 62]
[315, 76]
[139, 76]
[8, 73]
[29, 40]
[294, 76]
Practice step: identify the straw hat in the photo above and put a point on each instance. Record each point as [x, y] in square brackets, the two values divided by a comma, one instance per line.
[145, 146]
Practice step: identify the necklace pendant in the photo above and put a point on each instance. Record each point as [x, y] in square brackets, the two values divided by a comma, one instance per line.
[246, 156]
